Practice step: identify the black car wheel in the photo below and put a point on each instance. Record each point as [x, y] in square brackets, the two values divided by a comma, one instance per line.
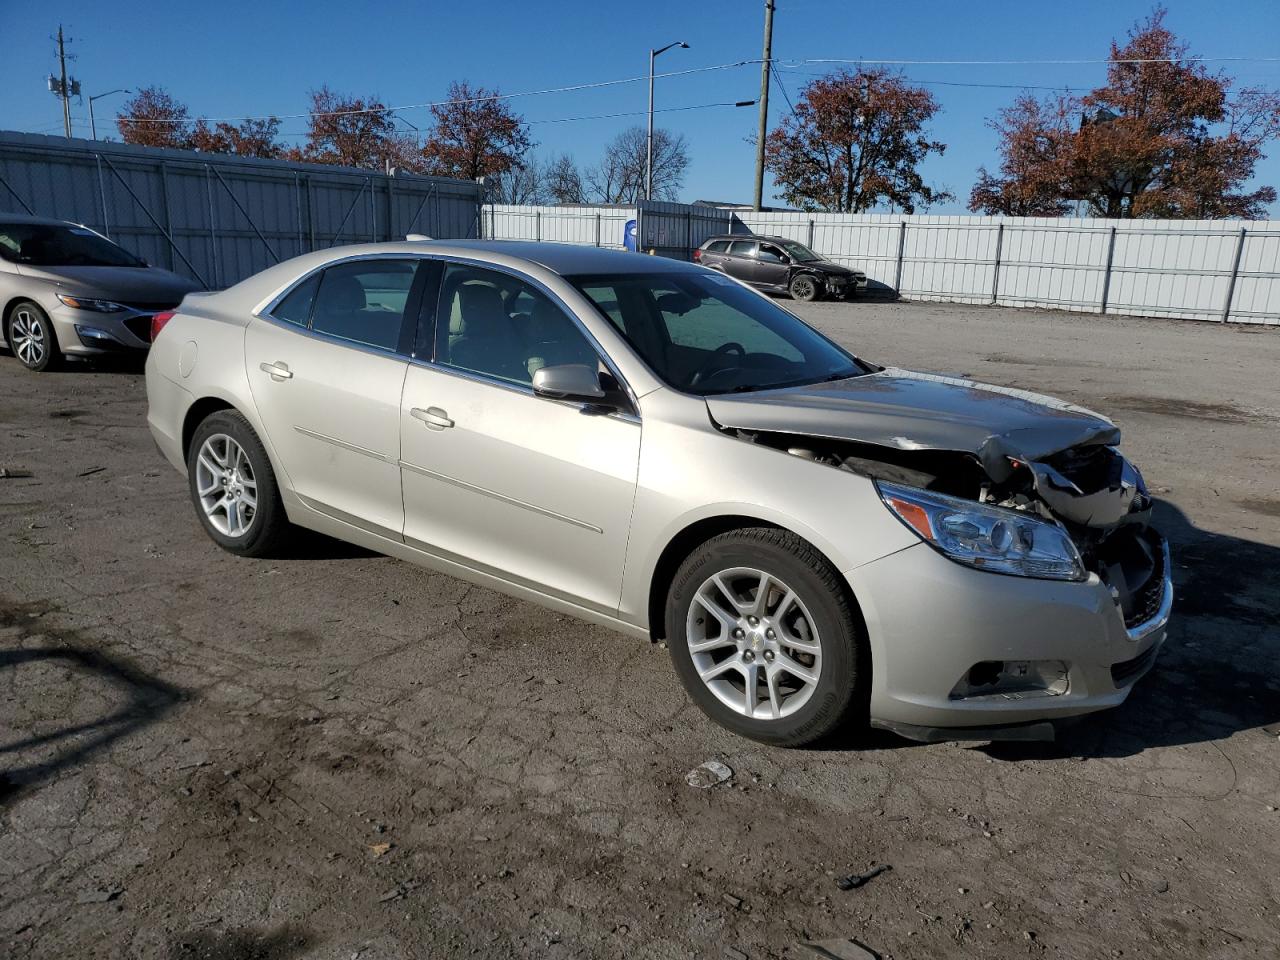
[764, 638]
[234, 487]
[805, 287]
[31, 337]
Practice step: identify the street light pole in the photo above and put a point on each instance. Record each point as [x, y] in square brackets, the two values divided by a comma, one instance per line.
[648, 144]
[93, 127]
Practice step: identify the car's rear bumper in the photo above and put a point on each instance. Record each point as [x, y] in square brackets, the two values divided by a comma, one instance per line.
[931, 620]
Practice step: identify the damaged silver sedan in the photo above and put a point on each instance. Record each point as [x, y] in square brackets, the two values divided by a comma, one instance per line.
[656, 447]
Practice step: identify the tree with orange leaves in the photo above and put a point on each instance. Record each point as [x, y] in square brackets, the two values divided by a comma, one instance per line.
[855, 141]
[1163, 138]
[475, 135]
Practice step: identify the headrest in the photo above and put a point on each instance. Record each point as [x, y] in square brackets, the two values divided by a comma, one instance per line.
[341, 293]
[480, 312]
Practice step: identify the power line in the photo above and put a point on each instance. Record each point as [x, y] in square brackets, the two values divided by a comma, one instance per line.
[960, 83]
[612, 116]
[1008, 63]
[781, 86]
[576, 87]
[571, 88]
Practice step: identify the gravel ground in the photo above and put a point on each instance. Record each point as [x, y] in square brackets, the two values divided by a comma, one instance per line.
[344, 756]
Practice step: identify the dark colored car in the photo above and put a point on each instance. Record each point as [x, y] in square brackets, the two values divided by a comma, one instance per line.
[779, 265]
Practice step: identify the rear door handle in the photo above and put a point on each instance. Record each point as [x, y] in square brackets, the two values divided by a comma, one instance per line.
[278, 370]
[434, 417]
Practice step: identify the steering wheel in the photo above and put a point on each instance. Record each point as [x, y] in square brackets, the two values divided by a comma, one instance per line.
[712, 365]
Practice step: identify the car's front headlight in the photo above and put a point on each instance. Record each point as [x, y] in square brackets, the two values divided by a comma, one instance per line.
[988, 538]
[84, 303]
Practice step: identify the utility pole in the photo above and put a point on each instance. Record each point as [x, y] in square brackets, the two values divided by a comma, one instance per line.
[62, 86]
[66, 94]
[763, 131]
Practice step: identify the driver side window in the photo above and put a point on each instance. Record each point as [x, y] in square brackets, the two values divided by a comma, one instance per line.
[496, 325]
[770, 254]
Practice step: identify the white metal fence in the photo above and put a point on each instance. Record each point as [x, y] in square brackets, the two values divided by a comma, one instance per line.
[1197, 269]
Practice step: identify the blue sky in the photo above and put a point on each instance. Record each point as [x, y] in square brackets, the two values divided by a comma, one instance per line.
[236, 58]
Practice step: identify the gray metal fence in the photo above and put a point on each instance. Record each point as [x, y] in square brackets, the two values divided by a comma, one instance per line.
[219, 219]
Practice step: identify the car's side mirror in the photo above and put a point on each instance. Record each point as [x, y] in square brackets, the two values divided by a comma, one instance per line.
[569, 381]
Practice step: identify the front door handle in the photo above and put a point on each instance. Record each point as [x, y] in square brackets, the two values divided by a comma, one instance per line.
[278, 370]
[434, 417]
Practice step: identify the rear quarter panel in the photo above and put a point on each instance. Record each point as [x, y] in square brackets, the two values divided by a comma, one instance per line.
[198, 355]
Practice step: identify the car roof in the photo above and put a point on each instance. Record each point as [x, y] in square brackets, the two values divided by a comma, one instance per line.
[562, 258]
[748, 236]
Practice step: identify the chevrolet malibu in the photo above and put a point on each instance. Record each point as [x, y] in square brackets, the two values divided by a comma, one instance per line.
[653, 446]
[68, 291]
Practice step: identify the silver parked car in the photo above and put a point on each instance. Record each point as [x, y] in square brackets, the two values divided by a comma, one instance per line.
[66, 290]
[656, 447]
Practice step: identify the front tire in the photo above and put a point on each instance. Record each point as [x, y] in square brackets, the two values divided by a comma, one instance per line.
[234, 489]
[32, 338]
[805, 287]
[763, 636]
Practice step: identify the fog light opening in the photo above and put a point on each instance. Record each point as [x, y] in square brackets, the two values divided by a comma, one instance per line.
[1012, 680]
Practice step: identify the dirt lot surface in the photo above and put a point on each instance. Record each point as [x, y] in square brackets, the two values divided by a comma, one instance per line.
[344, 756]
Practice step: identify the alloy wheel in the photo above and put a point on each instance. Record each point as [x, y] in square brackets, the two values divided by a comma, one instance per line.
[27, 337]
[226, 485]
[753, 643]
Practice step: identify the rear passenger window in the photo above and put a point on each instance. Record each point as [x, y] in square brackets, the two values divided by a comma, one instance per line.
[296, 307]
[364, 301]
[742, 248]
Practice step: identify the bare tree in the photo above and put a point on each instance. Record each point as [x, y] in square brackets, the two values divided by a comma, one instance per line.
[619, 177]
[564, 181]
[525, 183]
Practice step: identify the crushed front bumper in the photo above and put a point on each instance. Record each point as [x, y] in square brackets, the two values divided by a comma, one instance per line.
[931, 621]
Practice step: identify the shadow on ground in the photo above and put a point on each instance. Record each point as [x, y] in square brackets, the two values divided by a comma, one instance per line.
[146, 700]
[247, 944]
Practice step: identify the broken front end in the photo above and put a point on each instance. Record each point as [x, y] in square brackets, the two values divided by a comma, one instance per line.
[1080, 515]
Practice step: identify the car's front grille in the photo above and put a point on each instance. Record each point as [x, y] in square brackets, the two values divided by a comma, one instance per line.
[1146, 600]
[140, 327]
[1127, 671]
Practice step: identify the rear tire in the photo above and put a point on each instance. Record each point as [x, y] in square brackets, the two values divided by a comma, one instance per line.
[736, 654]
[805, 288]
[31, 337]
[234, 489]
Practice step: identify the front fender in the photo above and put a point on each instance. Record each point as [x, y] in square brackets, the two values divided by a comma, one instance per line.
[691, 472]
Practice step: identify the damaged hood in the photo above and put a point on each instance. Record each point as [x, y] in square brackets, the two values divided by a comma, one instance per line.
[920, 411]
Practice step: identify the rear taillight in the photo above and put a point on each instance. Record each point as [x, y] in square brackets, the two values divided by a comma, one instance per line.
[158, 322]
[697, 255]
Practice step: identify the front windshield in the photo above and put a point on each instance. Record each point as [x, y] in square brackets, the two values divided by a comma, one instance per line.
[799, 252]
[703, 333]
[54, 245]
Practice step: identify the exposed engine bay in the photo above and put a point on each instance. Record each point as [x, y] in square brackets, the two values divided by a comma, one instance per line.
[1090, 489]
